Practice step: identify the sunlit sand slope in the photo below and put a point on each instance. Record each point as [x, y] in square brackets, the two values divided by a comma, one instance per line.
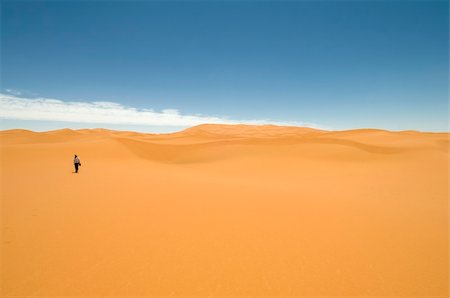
[225, 210]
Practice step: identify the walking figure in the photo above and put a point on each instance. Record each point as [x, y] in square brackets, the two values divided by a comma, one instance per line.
[76, 162]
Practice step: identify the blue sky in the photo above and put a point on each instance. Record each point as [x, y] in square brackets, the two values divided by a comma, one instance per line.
[330, 64]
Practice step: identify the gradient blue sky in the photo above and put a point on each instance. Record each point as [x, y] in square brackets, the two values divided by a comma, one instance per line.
[336, 64]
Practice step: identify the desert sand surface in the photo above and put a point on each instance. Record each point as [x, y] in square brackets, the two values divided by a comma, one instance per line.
[219, 210]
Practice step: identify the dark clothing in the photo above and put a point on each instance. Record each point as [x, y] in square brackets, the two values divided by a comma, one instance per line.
[76, 167]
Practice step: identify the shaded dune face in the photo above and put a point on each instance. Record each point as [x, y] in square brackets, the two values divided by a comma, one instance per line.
[225, 210]
[215, 142]
[224, 149]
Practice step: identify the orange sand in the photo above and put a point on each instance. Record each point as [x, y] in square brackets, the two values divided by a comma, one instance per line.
[225, 210]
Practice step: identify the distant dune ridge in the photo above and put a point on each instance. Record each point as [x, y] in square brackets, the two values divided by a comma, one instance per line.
[231, 210]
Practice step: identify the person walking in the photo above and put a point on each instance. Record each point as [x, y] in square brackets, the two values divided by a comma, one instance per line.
[76, 162]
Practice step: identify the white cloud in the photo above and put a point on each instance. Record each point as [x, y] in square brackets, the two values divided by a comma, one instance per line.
[13, 92]
[48, 109]
[171, 111]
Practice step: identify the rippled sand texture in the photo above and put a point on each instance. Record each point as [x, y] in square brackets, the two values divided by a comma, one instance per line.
[225, 210]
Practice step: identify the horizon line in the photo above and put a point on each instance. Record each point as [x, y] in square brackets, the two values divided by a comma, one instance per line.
[228, 125]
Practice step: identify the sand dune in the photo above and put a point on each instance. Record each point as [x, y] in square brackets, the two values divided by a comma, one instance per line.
[225, 210]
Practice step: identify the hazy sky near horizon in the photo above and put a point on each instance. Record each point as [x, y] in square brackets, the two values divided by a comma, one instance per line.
[162, 65]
